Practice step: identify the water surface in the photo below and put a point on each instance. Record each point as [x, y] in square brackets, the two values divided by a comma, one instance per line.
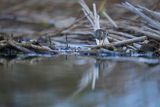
[74, 81]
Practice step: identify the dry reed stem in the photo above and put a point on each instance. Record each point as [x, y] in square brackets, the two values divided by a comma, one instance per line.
[122, 43]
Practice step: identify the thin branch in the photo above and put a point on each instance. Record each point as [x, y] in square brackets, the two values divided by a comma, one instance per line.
[87, 12]
[110, 19]
[154, 14]
[140, 31]
[137, 11]
[122, 43]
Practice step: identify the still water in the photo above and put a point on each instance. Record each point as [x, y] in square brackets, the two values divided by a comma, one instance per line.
[74, 81]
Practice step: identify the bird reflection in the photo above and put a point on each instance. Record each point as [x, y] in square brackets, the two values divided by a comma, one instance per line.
[99, 69]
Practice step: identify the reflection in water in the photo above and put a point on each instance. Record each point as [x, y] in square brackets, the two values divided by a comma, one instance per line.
[92, 74]
[78, 82]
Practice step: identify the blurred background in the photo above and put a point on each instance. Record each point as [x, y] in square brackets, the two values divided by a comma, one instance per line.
[71, 81]
[37, 15]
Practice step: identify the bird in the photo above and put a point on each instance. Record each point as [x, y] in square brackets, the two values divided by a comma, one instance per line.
[100, 36]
